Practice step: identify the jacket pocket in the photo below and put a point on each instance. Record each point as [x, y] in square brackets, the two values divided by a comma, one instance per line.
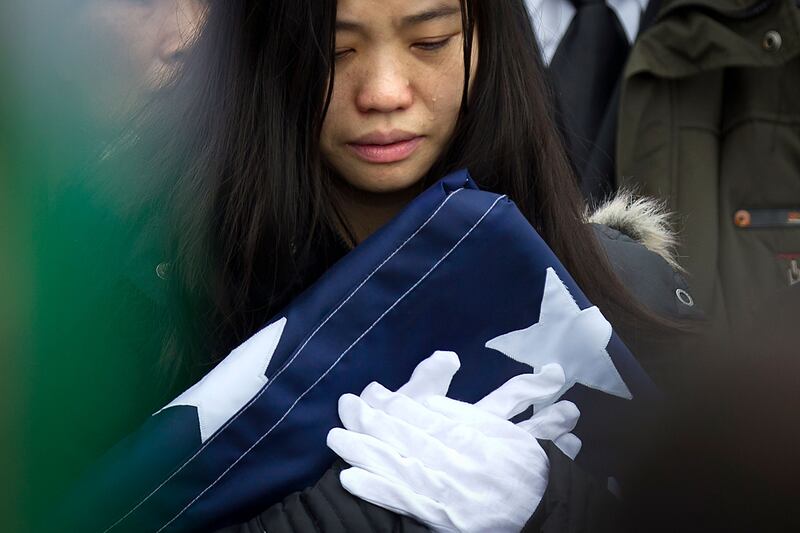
[767, 218]
[759, 262]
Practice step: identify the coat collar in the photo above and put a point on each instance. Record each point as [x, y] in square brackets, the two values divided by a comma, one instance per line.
[688, 37]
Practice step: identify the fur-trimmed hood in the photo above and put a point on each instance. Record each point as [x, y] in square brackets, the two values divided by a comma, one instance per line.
[645, 220]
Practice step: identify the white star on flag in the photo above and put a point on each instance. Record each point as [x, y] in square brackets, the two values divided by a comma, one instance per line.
[575, 339]
[234, 381]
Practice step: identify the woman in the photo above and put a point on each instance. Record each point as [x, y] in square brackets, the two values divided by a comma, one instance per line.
[278, 121]
[305, 125]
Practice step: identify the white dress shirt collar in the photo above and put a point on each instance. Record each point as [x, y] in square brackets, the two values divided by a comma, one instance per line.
[551, 18]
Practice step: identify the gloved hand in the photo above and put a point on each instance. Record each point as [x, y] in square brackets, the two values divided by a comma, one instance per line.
[451, 465]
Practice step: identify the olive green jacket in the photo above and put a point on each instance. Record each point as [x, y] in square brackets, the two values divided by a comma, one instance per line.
[710, 121]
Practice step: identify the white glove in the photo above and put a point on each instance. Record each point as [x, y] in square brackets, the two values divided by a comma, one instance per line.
[451, 465]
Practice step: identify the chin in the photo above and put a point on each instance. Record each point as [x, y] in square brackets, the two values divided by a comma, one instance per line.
[385, 179]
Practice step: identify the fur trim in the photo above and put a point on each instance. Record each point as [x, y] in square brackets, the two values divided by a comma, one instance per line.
[645, 220]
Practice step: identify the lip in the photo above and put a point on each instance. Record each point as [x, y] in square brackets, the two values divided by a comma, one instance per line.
[385, 147]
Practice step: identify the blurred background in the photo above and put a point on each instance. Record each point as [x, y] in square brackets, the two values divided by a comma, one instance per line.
[81, 312]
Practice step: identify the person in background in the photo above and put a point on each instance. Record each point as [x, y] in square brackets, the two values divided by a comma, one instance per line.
[693, 104]
[709, 123]
[130, 50]
[585, 44]
[87, 362]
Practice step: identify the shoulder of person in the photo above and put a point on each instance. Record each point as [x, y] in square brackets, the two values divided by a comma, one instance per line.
[636, 234]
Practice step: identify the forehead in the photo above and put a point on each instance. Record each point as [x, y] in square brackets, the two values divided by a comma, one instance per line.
[400, 14]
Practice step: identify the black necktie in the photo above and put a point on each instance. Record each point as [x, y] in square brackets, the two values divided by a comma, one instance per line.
[586, 68]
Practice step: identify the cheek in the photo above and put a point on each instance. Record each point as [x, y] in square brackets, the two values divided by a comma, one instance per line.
[444, 84]
[114, 23]
[341, 114]
[326, 139]
[129, 32]
[442, 91]
[338, 104]
[331, 124]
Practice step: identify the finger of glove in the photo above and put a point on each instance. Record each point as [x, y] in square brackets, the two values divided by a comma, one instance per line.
[470, 415]
[406, 409]
[372, 455]
[520, 392]
[552, 421]
[405, 438]
[397, 498]
[432, 376]
[570, 444]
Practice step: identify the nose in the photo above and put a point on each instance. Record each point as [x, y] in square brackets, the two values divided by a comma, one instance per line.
[181, 21]
[385, 87]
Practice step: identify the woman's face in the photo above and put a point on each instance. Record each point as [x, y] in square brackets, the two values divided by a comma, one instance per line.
[134, 46]
[397, 90]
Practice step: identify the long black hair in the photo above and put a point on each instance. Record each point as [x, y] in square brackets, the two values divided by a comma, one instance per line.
[252, 203]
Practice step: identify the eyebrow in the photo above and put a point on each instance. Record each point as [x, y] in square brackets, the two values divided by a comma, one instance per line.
[442, 11]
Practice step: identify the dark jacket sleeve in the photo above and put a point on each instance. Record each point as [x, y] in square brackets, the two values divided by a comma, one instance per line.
[665, 292]
[573, 501]
[327, 508]
[647, 275]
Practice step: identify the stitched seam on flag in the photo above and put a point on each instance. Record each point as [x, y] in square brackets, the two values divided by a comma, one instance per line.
[286, 365]
[371, 274]
[336, 362]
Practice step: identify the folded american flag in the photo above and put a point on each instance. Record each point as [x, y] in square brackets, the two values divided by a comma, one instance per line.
[459, 269]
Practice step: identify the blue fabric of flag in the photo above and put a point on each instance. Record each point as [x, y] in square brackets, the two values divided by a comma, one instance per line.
[457, 268]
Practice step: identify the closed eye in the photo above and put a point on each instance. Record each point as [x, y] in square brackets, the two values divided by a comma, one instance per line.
[431, 46]
[341, 54]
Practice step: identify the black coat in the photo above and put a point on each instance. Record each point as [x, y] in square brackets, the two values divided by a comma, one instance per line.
[573, 502]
